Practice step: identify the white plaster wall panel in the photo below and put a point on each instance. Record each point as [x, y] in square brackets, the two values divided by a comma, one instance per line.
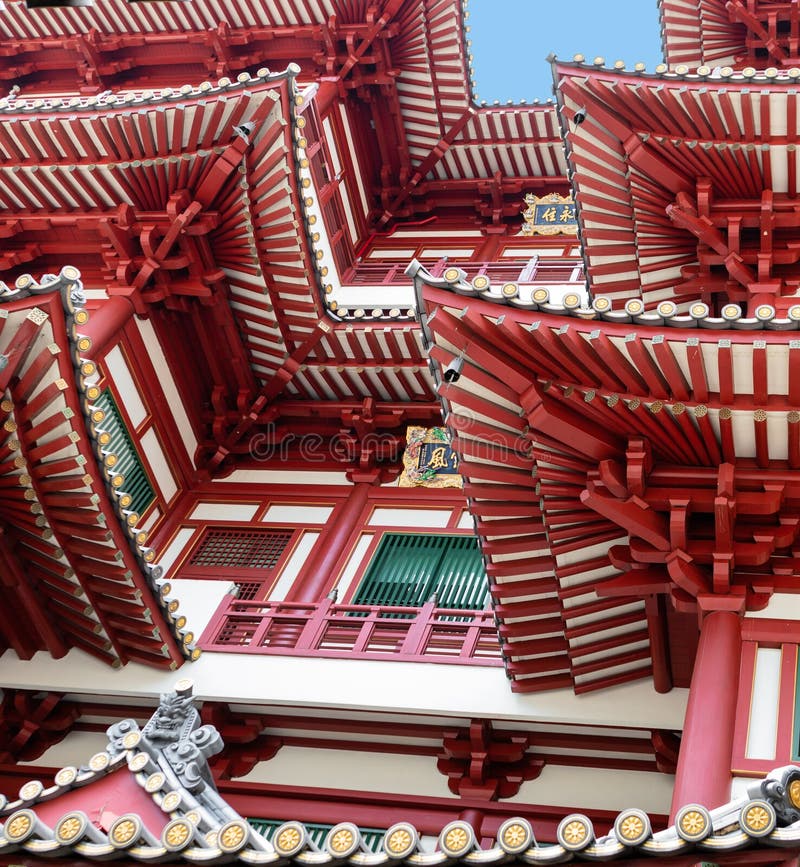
[278, 513]
[199, 599]
[150, 521]
[599, 789]
[354, 770]
[435, 237]
[466, 521]
[175, 548]
[391, 253]
[332, 148]
[522, 252]
[353, 564]
[125, 386]
[76, 749]
[393, 687]
[455, 252]
[168, 386]
[163, 477]
[293, 566]
[739, 787]
[351, 149]
[224, 511]
[348, 213]
[778, 373]
[781, 606]
[425, 518]
[364, 296]
[284, 477]
[762, 731]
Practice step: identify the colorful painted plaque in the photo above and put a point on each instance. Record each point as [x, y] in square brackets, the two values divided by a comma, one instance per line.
[429, 461]
[549, 215]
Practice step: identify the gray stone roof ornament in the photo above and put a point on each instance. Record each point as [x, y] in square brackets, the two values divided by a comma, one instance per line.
[174, 739]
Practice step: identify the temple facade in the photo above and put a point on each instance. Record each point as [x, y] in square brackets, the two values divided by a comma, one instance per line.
[386, 476]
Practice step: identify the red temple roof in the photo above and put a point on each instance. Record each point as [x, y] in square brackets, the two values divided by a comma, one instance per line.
[81, 574]
[686, 189]
[578, 445]
[718, 33]
[150, 796]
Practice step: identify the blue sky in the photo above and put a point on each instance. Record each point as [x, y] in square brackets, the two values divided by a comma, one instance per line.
[511, 38]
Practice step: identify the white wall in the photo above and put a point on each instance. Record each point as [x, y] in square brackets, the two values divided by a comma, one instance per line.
[199, 600]
[598, 788]
[76, 749]
[356, 770]
[457, 690]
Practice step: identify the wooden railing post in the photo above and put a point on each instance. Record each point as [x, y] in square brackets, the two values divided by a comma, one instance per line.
[365, 633]
[415, 640]
[262, 628]
[314, 629]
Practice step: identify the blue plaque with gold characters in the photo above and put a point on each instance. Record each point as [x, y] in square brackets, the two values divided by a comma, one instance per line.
[429, 461]
[549, 215]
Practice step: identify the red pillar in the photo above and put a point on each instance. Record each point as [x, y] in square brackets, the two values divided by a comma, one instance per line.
[106, 322]
[704, 764]
[315, 579]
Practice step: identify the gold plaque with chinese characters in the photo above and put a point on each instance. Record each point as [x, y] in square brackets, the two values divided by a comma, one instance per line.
[549, 215]
[429, 461]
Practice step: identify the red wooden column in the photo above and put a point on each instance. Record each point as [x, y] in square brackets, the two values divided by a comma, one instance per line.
[703, 775]
[315, 579]
[106, 322]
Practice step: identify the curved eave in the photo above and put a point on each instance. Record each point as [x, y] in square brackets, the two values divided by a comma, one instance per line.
[116, 17]
[646, 139]
[699, 32]
[75, 536]
[700, 396]
[244, 162]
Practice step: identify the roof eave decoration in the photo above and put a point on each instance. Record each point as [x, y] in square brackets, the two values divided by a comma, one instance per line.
[71, 515]
[727, 33]
[169, 760]
[249, 192]
[603, 308]
[544, 405]
[662, 168]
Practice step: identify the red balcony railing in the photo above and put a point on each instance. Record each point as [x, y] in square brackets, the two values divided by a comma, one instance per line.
[557, 271]
[390, 632]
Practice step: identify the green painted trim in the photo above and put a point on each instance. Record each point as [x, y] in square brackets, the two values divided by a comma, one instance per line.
[129, 464]
[372, 837]
[408, 568]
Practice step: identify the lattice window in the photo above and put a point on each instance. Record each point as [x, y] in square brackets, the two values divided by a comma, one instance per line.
[246, 590]
[129, 464]
[241, 549]
[409, 568]
[249, 556]
[372, 837]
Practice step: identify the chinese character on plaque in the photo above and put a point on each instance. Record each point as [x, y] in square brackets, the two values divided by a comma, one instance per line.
[549, 215]
[428, 460]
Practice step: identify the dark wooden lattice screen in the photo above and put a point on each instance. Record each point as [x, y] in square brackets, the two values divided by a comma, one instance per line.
[247, 556]
[241, 549]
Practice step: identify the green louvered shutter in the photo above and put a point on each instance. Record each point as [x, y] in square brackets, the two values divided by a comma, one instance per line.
[408, 569]
[129, 463]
